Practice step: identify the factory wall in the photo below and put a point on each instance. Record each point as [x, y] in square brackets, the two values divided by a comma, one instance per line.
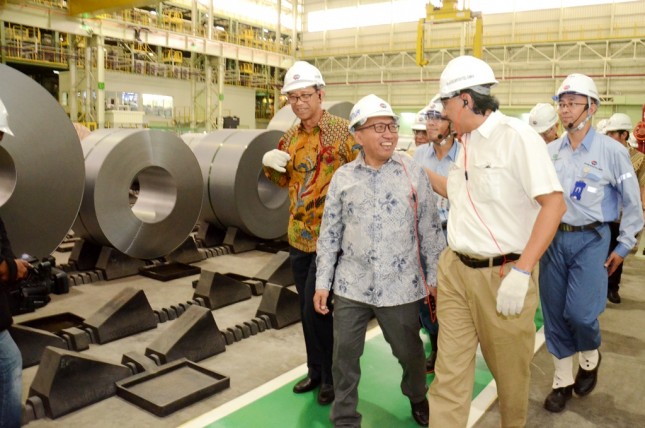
[238, 101]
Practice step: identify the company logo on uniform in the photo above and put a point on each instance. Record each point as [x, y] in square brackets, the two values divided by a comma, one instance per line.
[383, 105]
[594, 163]
[566, 87]
[296, 76]
[534, 122]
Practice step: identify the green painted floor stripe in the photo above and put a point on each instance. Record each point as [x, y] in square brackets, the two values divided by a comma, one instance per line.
[381, 401]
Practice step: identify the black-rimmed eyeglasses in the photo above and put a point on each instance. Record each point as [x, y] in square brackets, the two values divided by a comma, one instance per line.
[379, 128]
[302, 97]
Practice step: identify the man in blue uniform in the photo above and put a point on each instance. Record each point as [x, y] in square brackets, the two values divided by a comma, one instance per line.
[598, 181]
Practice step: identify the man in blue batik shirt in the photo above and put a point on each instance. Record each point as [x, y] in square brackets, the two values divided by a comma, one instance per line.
[378, 249]
[598, 181]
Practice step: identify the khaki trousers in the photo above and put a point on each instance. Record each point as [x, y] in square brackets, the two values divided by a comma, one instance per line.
[466, 309]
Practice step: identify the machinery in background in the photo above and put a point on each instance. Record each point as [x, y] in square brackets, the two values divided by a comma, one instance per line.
[33, 292]
[449, 12]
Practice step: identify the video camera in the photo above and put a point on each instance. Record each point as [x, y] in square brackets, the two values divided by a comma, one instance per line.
[33, 292]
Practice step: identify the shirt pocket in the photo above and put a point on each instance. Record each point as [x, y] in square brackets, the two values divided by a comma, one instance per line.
[487, 182]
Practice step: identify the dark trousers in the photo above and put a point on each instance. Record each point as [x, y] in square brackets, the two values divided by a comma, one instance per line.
[613, 283]
[318, 329]
[400, 326]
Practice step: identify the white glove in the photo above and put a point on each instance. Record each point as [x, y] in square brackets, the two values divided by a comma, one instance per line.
[276, 159]
[512, 291]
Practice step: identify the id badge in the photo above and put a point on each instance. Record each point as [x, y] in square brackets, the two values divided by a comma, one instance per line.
[578, 187]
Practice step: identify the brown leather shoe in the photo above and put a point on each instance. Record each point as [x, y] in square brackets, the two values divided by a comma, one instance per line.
[421, 412]
[305, 385]
[586, 379]
[557, 399]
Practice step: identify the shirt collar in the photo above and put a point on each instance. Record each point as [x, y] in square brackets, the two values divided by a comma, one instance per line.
[360, 159]
[452, 153]
[490, 124]
[586, 141]
[322, 123]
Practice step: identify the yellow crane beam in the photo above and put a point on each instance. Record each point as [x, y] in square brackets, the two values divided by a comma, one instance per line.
[97, 7]
[449, 12]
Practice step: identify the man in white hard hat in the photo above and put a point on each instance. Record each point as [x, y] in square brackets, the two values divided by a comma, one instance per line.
[505, 205]
[619, 127]
[419, 129]
[436, 156]
[544, 119]
[598, 181]
[380, 223]
[12, 270]
[306, 158]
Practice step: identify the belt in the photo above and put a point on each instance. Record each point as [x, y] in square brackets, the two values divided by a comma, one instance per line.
[569, 228]
[444, 225]
[490, 262]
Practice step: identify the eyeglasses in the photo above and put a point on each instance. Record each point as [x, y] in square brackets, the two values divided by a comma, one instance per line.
[444, 100]
[379, 128]
[434, 116]
[569, 106]
[302, 97]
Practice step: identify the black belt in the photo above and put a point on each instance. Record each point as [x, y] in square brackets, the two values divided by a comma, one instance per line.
[444, 225]
[490, 262]
[569, 228]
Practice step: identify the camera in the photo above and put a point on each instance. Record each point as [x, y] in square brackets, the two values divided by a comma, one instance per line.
[33, 292]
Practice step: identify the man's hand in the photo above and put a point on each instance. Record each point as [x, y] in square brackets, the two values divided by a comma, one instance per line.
[276, 159]
[22, 268]
[512, 291]
[433, 292]
[612, 263]
[320, 301]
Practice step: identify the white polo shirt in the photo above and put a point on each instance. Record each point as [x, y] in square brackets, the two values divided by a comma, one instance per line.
[507, 165]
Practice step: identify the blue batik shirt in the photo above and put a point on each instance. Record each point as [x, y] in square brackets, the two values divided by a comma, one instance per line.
[599, 181]
[367, 248]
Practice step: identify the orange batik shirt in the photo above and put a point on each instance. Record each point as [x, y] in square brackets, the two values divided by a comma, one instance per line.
[314, 157]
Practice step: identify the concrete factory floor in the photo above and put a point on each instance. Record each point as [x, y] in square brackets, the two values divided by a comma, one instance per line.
[265, 358]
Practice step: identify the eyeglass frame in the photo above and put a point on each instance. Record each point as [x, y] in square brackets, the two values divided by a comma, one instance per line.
[305, 98]
[434, 117]
[445, 99]
[384, 125]
[570, 105]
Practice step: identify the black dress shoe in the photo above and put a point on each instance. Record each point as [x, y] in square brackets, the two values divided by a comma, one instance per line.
[586, 379]
[613, 296]
[421, 412]
[557, 399]
[430, 362]
[305, 385]
[326, 394]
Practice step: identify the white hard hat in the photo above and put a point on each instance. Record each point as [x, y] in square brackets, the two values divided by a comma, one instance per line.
[466, 72]
[600, 126]
[435, 105]
[578, 84]
[4, 120]
[302, 75]
[369, 106]
[542, 117]
[619, 122]
[420, 121]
